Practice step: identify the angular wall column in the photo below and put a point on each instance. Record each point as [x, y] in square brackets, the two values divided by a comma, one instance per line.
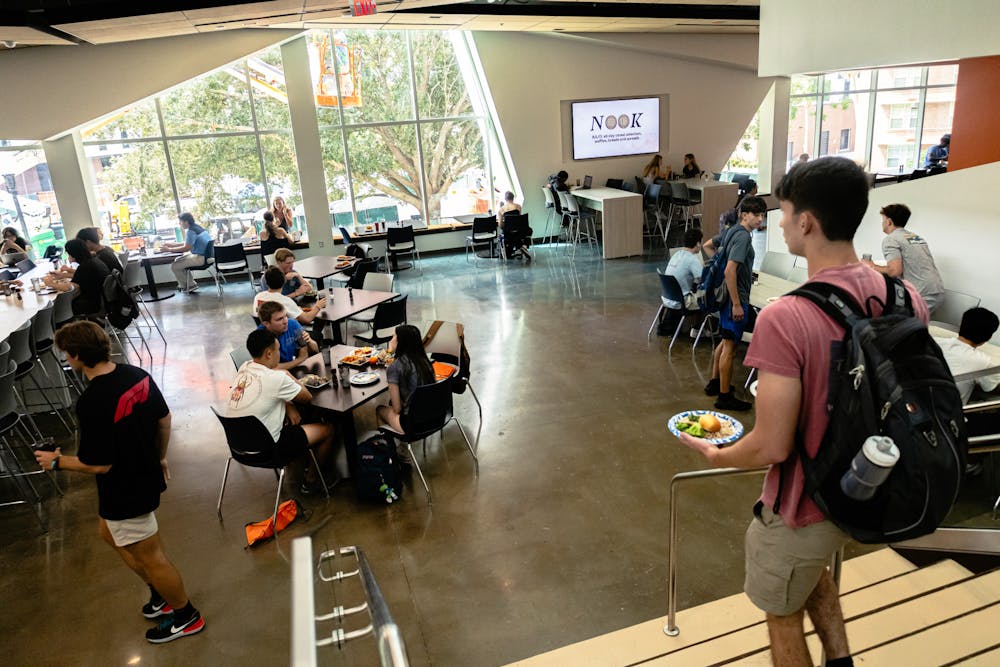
[72, 183]
[772, 148]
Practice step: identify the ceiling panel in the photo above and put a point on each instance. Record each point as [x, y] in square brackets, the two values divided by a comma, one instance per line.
[23, 36]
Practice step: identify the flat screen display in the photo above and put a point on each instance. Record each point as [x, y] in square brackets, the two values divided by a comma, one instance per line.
[613, 128]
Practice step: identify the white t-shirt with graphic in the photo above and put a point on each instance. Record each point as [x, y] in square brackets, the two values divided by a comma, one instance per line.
[291, 307]
[261, 392]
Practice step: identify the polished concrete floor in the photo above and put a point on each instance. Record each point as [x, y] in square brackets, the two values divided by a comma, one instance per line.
[560, 537]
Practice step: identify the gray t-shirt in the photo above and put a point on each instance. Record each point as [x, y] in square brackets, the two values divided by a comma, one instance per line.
[401, 372]
[918, 264]
[739, 249]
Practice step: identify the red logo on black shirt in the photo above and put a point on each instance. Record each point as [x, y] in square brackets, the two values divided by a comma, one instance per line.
[137, 395]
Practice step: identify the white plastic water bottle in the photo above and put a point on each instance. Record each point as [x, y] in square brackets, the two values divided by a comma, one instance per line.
[870, 467]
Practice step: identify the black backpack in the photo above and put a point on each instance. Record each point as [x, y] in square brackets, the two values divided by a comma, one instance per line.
[713, 277]
[378, 479]
[119, 304]
[887, 377]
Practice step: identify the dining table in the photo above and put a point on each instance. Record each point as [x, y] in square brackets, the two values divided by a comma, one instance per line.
[321, 267]
[14, 311]
[342, 303]
[148, 261]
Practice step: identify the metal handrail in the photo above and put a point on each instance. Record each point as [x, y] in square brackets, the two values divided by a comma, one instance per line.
[671, 628]
[982, 406]
[388, 637]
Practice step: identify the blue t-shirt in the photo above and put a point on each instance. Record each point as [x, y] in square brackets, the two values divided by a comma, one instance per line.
[198, 241]
[288, 344]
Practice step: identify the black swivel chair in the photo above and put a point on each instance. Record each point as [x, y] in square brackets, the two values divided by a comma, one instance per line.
[251, 444]
[615, 183]
[427, 411]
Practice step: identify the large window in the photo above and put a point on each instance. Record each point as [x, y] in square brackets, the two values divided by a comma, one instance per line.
[886, 119]
[27, 201]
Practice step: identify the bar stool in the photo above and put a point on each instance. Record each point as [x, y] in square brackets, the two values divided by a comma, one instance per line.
[43, 333]
[582, 223]
[131, 279]
[22, 354]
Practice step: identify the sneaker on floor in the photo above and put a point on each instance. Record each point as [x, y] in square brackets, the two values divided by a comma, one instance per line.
[153, 610]
[712, 388]
[168, 630]
[730, 402]
[192, 289]
[312, 488]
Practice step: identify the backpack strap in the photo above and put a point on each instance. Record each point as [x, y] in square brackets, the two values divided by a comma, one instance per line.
[832, 300]
[897, 297]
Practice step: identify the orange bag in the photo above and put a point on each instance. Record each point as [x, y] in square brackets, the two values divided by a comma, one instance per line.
[261, 531]
[443, 370]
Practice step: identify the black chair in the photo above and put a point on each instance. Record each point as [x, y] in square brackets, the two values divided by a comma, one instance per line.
[640, 185]
[628, 187]
[670, 290]
[250, 444]
[22, 353]
[654, 199]
[427, 411]
[231, 258]
[361, 269]
[348, 240]
[484, 232]
[207, 266]
[516, 236]
[388, 316]
[615, 183]
[683, 199]
[401, 241]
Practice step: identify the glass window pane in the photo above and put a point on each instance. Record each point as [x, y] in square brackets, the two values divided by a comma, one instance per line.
[323, 44]
[801, 127]
[845, 82]
[384, 172]
[219, 177]
[455, 169]
[441, 90]
[337, 189]
[939, 107]
[131, 181]
[130, 123]
[267, 80]
[899, 77]
[802, 85]
[217, 102]
[845, 117]
[282, 172]
[942, 74]
[380, 71]
[25, 186]
[894, 140]
[744, 159]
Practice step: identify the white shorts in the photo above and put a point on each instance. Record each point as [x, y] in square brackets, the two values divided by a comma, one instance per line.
[134, 530]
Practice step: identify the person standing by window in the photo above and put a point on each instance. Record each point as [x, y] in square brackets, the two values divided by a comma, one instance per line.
[195, 249]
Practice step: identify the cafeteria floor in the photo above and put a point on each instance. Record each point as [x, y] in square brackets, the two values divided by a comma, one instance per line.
[562, 536]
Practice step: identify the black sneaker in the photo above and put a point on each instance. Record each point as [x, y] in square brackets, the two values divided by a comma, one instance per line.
[730, 402]
[712, 388]
[168, 630]
[153, 610]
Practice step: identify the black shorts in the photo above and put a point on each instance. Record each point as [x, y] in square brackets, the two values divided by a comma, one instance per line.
[292, 444]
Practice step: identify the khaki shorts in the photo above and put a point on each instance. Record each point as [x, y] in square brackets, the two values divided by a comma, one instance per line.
[134, 530]
[783, 565]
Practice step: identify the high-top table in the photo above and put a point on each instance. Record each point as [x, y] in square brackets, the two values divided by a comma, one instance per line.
[320, 267]
[148, 261]
[621, 219]
[717, 197]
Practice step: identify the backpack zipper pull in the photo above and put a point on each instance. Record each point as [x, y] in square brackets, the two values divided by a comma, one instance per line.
[885, 410]
[858, 372]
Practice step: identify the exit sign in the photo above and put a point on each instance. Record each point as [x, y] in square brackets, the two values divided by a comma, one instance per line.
[363, 7]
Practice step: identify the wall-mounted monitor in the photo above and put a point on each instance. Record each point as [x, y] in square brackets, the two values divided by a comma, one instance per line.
[613, 128]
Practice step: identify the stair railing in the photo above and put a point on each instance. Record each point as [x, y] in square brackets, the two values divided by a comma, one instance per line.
[389, 639]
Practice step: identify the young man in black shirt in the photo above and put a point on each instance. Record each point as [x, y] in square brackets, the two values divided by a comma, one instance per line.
[124, 432]
[88, 277]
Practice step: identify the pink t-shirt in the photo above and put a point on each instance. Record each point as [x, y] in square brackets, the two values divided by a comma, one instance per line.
[793, 337]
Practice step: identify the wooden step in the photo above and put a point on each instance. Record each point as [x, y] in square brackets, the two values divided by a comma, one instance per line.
[988, 659]
[698, 624]
[913, 616]
[855, 604]
[940, 644]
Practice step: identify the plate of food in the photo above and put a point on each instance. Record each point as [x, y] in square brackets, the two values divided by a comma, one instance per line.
[359, 358]
[342, 265]
[344, 258]
[364, 379]
[718, 428]
[313, 381]
[382, 357]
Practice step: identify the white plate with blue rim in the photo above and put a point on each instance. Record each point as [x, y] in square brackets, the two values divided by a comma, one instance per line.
[732, 429]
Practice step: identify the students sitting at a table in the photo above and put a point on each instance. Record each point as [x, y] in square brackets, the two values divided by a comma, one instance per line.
[294, 344]
[12, 243]
[272, 238]
[691, 168]
[295, 285]
[736, 315]
[262, 391]
[88, 277]
[91, 237]
[274, 279]
[411, 369]
[654, 170]
[686, 267]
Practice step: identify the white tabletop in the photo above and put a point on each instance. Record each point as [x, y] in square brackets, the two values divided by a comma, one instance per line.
[600, 194]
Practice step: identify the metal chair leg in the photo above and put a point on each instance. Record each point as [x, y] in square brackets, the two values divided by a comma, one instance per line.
[222, 489]
[277, 499]
[51, 404]
[319, 473]
[656, 318]
[677, 331]
[420, 472]
[480, 407]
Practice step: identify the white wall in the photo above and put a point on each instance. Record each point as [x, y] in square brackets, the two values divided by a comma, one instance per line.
[530, 75]
[50, 90]
[798, 36]
[957, 214]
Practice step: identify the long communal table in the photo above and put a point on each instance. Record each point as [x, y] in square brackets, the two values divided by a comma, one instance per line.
[15, 312]
[621, 219]
[717, 197]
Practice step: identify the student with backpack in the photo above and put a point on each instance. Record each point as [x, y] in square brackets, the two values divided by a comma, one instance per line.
[808, 433]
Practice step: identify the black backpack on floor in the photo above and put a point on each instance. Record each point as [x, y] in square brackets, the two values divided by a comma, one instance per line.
[887, 377]
[378, 478]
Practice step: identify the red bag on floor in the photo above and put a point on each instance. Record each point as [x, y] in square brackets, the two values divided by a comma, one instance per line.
[261, 531]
